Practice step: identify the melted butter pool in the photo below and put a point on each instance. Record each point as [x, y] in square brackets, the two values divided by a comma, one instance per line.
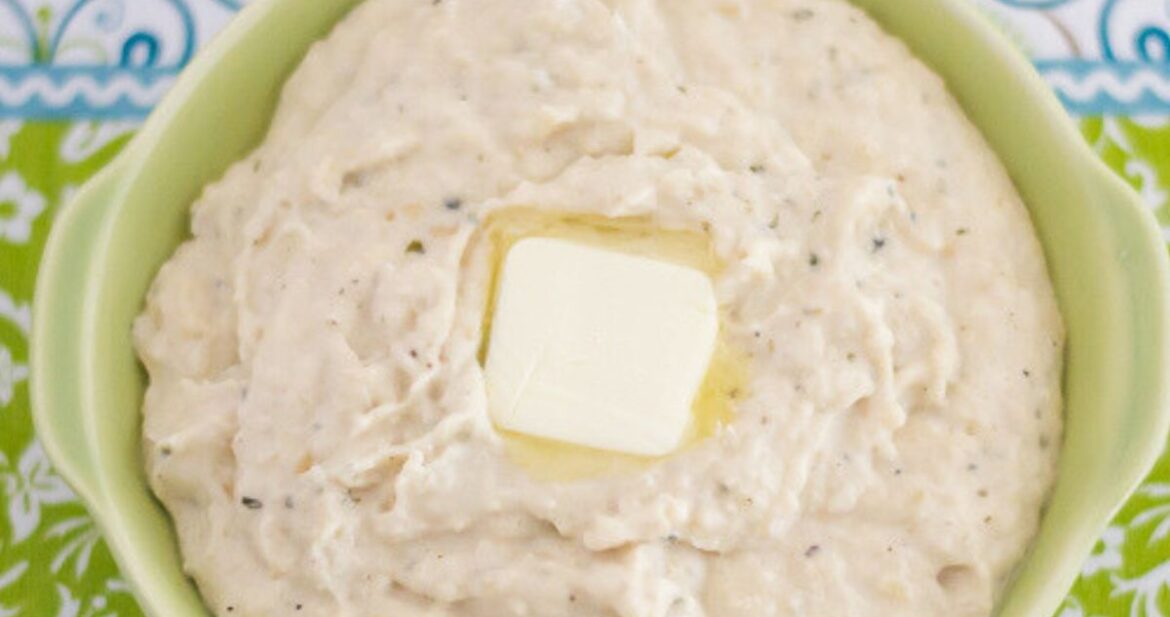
[714, 404]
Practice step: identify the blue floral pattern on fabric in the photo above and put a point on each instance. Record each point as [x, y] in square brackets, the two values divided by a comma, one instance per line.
[98, 58]
[1103, 57]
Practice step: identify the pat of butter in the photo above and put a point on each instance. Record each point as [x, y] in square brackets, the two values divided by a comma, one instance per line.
[598, 348]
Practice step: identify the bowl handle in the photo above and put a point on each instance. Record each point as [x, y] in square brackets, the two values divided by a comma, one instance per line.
[58, 306]
[1142, 258]
[1128, 330]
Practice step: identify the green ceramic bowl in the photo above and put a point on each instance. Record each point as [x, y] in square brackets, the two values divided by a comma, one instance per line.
[1104, 250]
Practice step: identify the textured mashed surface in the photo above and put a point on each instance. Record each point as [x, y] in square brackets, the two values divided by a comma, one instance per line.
[316, 418]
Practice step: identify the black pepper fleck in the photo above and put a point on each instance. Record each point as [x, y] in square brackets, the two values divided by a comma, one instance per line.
[757, 168]
[813, 259]
[878, 243]
[289, 503]
[962, 231]
[165, 451]
[1027, 373]
[812, 550]
[416, 246]
[453, 203]
[298, 607]
[252, 503]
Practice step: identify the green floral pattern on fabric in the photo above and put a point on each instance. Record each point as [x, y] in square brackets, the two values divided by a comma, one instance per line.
[53, 561]
[1139, 151]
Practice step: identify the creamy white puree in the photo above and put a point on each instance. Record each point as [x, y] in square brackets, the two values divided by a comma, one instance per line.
[316, 419]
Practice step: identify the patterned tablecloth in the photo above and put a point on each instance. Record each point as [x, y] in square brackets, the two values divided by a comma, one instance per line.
[78, 76]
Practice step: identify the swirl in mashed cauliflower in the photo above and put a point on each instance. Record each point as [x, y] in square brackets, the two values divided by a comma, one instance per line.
[316, 421]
